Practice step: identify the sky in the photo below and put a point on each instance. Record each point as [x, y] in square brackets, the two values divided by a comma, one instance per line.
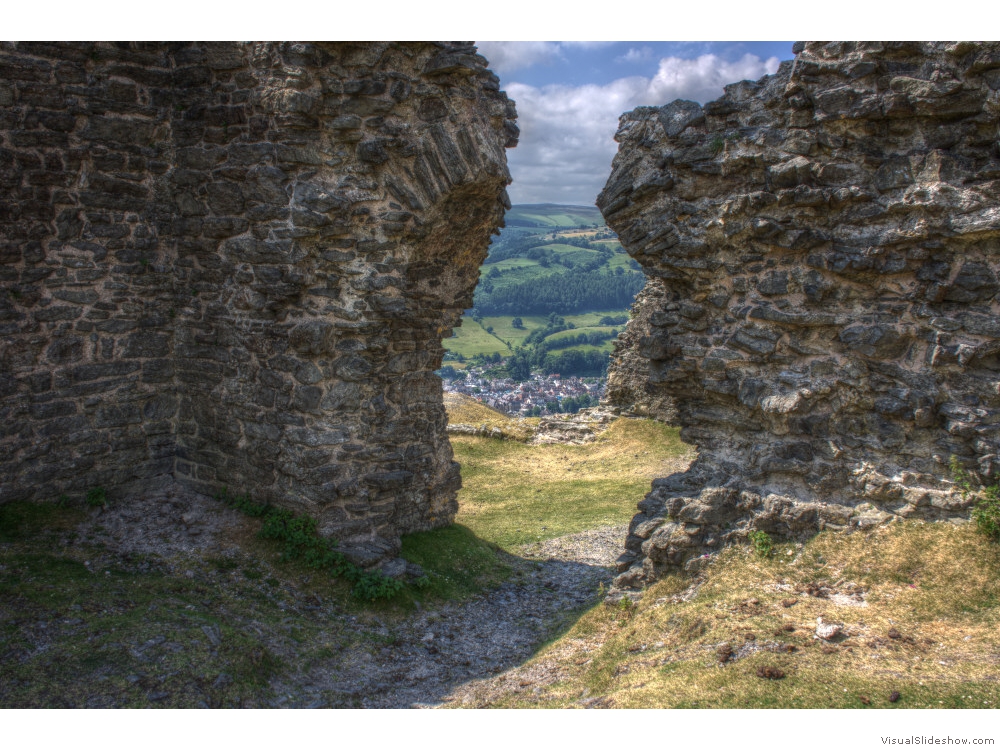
[569, 97]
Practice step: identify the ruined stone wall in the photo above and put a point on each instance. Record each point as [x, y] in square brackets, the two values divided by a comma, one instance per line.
[233, 264]
[629, 390]
[828, 244]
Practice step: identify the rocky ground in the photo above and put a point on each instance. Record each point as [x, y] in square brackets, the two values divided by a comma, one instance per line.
[436, 653]
[228, 611]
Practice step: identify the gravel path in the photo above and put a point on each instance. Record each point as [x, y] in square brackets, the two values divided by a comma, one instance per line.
[425, 659]
[435, 653]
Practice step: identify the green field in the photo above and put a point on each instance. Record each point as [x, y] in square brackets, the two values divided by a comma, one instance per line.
[472, 338]
[551, 215]
[525, 272]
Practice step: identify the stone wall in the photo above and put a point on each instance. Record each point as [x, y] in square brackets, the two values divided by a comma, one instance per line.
[826, 243]
[233, 264]
[629, 390]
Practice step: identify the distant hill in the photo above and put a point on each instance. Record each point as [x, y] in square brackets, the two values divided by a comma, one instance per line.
[547, 215]
[562, 274]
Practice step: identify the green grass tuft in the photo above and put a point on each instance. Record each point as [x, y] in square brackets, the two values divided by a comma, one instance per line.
[97, 497]
[297, 534]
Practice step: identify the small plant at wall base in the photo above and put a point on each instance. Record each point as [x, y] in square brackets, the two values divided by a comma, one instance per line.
[761, 543]
[301, 542]
[959, 476]
[986, 512]
[97, 497]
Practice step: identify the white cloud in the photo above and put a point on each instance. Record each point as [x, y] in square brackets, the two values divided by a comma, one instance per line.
[506, 57]
[702, 79]
[636, 55]
[566, 145]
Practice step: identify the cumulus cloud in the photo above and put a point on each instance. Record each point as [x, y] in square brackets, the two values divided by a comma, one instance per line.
[635, 55]
[506, 57]
[703, 78]
[567, 132]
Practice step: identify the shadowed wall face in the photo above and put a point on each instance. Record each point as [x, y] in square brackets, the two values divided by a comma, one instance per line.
[234, 264]
[824, 252]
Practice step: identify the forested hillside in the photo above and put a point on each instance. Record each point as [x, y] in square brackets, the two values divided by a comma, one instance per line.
[553, 293]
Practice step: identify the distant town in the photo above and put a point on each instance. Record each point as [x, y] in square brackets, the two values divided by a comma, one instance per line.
[539, 396]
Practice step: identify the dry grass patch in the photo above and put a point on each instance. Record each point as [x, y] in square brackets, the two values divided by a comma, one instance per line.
[917, 604]
[464, 409]
[514, 493]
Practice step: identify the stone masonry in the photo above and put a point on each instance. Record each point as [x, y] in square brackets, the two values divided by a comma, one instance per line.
[825, 245]
[233, 265]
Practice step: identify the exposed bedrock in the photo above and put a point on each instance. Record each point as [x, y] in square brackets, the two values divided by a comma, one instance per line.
[234, 264]
[823, 248]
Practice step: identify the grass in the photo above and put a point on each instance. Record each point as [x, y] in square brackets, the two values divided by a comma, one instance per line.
[929, 630]
[300, 541]
[515, 493]
[76, 623]
[471, 338]
[464, 409]
[458, 564]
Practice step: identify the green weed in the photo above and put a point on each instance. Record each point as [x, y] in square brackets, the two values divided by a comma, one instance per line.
[986, 511]
[97, 497]
[300, 542]
[761, 543]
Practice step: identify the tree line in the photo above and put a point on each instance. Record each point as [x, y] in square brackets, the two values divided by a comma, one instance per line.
[580, 291]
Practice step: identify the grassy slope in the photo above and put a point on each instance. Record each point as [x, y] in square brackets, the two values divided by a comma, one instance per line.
[515, 493]
[473, 339]
[937, 585]
[929, 630]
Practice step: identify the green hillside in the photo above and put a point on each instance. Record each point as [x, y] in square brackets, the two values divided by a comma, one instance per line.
[553, 215]
[550, 260]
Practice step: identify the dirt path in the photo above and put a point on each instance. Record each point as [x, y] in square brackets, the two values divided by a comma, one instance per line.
[220, 611]
[435, 655]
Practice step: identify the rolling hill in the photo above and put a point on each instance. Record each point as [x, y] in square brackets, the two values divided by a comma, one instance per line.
[550, 262]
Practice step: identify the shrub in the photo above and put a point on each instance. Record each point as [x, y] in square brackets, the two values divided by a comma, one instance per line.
[761, 543]
[97, 497]
[986, 512]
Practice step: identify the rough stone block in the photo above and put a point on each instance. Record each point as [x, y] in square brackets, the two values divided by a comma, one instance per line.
[845, 348]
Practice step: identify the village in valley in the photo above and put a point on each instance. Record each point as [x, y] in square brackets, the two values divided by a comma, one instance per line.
[541, 395]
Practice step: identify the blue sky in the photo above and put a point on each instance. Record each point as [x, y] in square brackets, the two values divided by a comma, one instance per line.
[569, 96]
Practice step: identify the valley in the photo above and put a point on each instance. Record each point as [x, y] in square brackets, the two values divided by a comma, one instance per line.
[553, 295]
